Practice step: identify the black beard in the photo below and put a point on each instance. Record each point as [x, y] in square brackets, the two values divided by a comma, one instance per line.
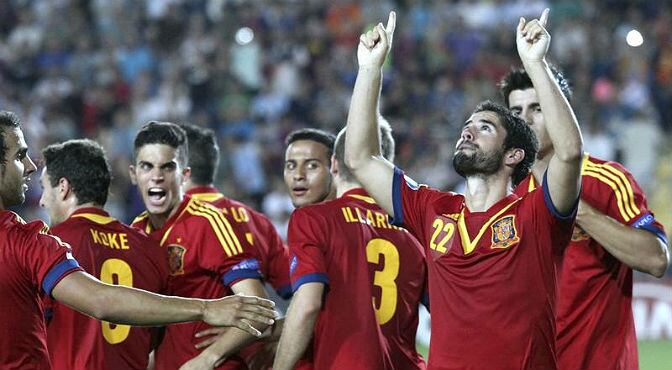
[478, 163]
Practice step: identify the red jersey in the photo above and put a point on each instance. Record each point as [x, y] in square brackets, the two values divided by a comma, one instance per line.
[348, 245]
[492, 280]
[595, 324]
[263, 240]
[32, 262]
[265, 243]
[205, 257]
[116, 254]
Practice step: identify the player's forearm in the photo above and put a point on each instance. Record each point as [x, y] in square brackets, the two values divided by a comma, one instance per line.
[561, 123]
[639, 249]
[296, 334]
[124, 305]
[362, 143]
[233, 340]
[229, 343]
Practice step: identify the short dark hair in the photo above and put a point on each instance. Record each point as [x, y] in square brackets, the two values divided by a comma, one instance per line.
[518, 79]
[203, 153]
[167, 133]
[386, 147]
[323, 137]
[84, 164]
[10, 120]
[518, 135]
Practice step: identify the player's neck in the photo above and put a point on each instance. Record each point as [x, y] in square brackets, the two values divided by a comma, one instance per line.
[188, 185]
[541, 165]
[483, 192]
[77, 207]
[157, 220]
[343, 187]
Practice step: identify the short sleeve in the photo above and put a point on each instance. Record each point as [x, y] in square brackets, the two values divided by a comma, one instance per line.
[307, 262]
[278, 269]
[625, 200]
[550, 227]
[45, 257]
[409, 201]
[220, 249]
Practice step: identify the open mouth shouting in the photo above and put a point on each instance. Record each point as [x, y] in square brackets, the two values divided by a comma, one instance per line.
[156, 196]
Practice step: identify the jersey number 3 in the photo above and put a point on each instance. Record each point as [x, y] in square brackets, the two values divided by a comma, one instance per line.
[385, 278]
[115, 334]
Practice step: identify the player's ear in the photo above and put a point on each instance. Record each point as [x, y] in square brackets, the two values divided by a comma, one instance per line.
[514, 156]
[131, 174]
[64, 188]
[186, 174]
[334, 166]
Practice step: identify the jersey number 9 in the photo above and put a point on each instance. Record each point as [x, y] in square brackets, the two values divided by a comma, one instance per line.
[115, 334]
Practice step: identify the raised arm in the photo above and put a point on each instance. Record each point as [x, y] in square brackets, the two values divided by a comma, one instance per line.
[130, 306]
[362, 143]
[564, 169]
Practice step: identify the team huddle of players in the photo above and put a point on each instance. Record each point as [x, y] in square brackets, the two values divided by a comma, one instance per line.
[537, 278]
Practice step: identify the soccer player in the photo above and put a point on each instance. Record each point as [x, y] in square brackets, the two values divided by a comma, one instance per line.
[260, 234]
[34, 263]
[307, 163]
[345, 256]
[75, 183]
[206, 259]
[491, 254]
[615, 232]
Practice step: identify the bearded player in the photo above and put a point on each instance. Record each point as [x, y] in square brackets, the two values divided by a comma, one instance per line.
[491, 255]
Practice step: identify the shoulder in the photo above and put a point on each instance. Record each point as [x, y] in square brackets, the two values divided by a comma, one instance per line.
[598, 170]
[203, 211]
[140, 219]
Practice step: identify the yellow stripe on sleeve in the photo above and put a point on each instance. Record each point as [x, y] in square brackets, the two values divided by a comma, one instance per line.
[619, 184]
[218, 232]
[226, 225]
[626, 184]
[625, 213]
[222, 228]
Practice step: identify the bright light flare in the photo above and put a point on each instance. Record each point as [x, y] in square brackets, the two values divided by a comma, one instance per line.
[634, 38]
[244, 36]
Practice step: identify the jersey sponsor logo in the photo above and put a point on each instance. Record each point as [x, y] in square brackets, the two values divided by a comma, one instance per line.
[176, 259]
[292, 264]
[504, 233]
[248, 264]
[578, 234]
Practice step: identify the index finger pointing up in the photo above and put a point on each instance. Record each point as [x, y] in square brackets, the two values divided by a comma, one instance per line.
[391, 23]
[544, 17]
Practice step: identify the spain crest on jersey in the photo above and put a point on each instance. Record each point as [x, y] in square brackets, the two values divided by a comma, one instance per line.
[504, 233]
[176, 259]
[579, 235]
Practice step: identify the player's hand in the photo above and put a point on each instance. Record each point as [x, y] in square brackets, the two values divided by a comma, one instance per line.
[239, 311]
[374, 45]
[532, 39]
[212, 334]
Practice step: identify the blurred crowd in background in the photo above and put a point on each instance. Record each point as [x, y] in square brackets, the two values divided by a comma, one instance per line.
[255, 70]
